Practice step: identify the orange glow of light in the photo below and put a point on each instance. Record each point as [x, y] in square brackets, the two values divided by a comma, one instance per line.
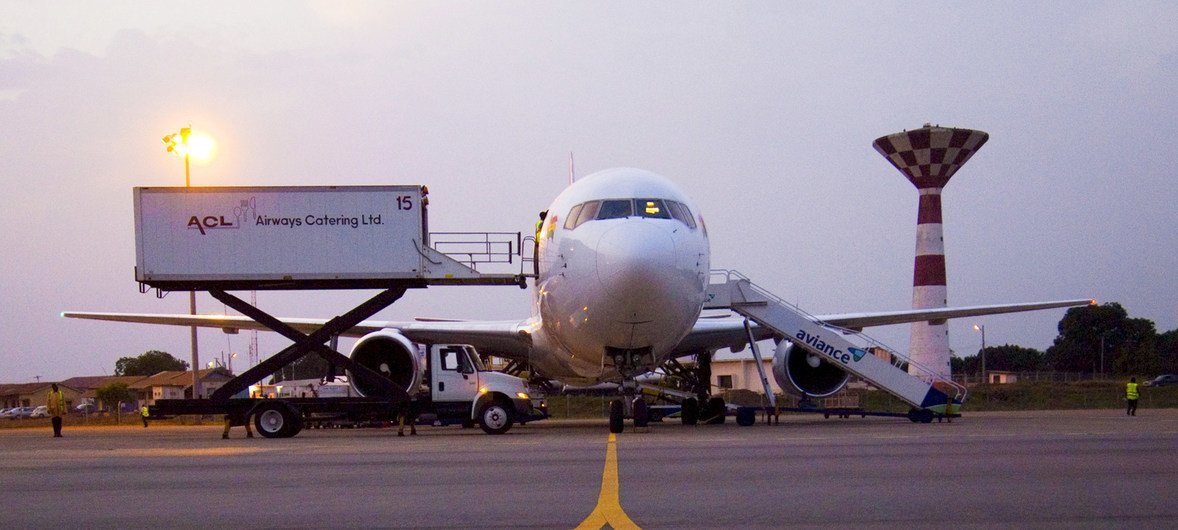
[198, 146]
[201, 147]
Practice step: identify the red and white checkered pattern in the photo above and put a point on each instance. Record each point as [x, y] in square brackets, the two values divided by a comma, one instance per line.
[929, 156]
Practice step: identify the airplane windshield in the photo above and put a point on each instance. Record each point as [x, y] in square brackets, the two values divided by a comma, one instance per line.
[623, 208]
[652, 208]
[615, 209]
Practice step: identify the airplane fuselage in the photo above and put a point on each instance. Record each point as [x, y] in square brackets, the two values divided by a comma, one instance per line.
[623, 272]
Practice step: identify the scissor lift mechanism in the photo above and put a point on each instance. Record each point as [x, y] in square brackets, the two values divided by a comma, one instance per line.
[487, 247]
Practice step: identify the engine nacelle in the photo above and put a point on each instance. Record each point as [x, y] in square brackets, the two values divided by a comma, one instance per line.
[391, 354]
[800, 372]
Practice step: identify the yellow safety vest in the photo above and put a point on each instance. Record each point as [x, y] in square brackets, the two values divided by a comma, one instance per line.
[143, 411]
[1131, 391]
[56, 403]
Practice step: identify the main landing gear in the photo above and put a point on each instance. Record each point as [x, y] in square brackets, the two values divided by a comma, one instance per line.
[699, 406]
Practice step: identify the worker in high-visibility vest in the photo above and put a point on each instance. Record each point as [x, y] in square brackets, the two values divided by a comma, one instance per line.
[56, 407]
[536, 242]
[1131, 396]
[143, 412]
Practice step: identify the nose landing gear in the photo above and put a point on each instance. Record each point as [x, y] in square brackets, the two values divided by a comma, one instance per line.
[630, 405]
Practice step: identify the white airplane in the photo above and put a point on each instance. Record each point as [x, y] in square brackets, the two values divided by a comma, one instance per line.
[624, 267]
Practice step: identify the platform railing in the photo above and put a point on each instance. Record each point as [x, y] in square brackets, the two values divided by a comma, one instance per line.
[478, 248]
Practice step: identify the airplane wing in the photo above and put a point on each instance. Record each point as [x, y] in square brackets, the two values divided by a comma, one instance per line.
[716, 333]
[498, 338]
[507, 339]
[858, 321]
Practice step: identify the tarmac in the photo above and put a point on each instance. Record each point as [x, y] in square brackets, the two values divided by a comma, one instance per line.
[1095, 468]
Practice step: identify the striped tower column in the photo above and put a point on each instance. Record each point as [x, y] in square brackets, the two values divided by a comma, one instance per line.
[929, 157]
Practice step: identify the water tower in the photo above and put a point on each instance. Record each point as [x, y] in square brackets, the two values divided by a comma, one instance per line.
[929, 157]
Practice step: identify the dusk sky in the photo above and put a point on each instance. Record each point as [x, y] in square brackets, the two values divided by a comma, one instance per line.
[763, 112]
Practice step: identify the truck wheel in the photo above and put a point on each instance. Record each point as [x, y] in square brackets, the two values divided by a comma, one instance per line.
[690, 411]
[494, 418]
[277, 420]
[617, 415]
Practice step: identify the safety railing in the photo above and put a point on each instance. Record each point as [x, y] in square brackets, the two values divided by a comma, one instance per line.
[478, 248]
[897, 359]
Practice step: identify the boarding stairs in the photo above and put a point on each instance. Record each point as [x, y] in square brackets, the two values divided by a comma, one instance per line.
[927, 392]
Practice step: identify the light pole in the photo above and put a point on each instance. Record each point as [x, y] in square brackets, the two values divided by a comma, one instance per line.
[178, 144]
[982, 328]
[1102, 335]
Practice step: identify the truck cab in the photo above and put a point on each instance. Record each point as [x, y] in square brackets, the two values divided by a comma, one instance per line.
[461, 389]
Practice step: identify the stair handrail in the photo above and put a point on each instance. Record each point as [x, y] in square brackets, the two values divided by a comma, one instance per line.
[897, 358]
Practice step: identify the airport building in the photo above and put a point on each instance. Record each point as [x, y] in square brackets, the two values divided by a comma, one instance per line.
[35, 394]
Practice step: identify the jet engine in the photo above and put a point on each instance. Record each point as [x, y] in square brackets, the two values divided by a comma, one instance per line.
[390, 354]
[800, 372]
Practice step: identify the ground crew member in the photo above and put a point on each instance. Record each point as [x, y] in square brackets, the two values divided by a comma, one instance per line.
[231, 421]
[143, 412]
[56, 409]
[1131, 396]
[536, 243]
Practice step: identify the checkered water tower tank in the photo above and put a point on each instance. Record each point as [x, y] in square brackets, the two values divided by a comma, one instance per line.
[928, 157]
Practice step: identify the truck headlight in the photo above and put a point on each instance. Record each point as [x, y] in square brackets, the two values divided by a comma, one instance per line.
[522, 395]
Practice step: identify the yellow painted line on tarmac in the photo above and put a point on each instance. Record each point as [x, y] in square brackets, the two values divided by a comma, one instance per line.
[609, 509]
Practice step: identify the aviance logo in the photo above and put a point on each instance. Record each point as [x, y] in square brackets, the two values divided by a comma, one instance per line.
[209, 222]
[816, 343]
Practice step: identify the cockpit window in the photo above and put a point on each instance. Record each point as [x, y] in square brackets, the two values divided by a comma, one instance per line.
[615, 209]
[570, 222]
[681, 212]
[587, 213]
[652, 208]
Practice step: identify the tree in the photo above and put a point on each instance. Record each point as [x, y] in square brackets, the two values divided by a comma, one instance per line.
[111, 394]
[1078, 346]
[150, 363]
[1137, 352]
[1011, 358]
[1168, 351]
[1092, 335]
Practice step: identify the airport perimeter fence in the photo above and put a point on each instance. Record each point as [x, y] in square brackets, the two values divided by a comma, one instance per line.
[1000, 377]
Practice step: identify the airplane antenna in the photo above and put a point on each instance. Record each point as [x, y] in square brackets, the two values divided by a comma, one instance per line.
[572, 169]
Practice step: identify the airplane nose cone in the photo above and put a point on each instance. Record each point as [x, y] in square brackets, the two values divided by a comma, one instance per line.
[634, 259]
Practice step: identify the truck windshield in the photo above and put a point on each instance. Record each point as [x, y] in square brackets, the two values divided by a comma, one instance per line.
[475, 360]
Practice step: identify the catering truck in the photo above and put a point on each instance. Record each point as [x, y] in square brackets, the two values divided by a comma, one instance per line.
[221, 239]
[446, 383]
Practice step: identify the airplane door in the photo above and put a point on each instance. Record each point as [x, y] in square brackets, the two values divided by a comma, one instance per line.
[455, 378]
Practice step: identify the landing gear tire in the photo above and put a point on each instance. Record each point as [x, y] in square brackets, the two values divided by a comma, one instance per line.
[277, 420]
[716, 411]
[617, 415]
[494, 418]
[641, 413]
[690, 411]
[746, 416]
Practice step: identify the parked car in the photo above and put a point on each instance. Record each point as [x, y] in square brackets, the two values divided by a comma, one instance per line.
[1163, 380]
[40, 412]
[85, 408]
[20, 412]
[5, 413]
